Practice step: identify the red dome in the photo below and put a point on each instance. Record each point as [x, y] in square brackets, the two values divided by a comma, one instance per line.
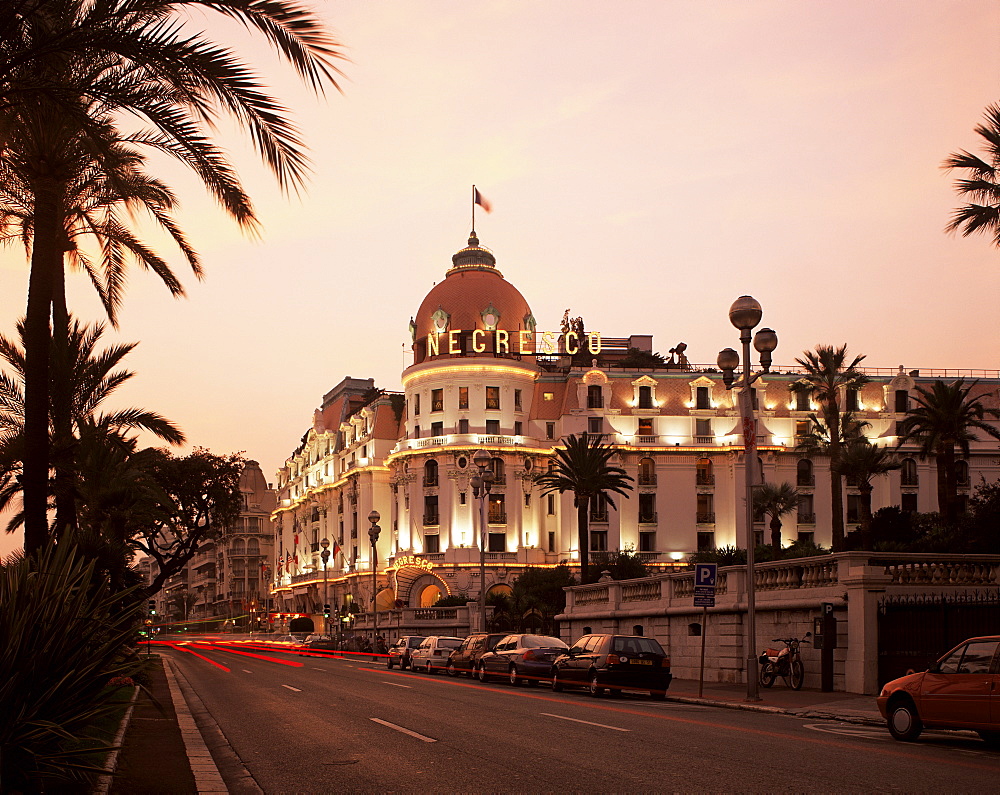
[473, 295]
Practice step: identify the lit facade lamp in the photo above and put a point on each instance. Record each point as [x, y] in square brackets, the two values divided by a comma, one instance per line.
[325, 555]
[373, 534]
[745, 314]
[481, 485]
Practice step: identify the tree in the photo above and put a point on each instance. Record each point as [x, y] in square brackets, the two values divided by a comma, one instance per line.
[980, 185]
[827, 374]
[582, 467]
[861, 461]
[540, 590]
[622, 564]
[204, 498]
[776, 500]
[942, 421]
[131, 57]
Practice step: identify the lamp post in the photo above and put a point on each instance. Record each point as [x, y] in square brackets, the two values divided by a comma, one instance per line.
[481, 484]
[745, 314]
[325, 555]
[373, 534]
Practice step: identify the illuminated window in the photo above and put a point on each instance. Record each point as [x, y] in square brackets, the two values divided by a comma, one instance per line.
[437, 400]
[493, 397]
[463, 397]
[548, 396]
[645, 426]
[497, 511]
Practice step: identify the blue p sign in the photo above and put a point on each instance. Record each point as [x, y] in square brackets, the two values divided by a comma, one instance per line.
[704, 574]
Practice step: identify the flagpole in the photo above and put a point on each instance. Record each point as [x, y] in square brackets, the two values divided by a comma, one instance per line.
[473, 210]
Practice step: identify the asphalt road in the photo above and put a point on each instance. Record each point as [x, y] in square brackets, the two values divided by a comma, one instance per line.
[310, 724]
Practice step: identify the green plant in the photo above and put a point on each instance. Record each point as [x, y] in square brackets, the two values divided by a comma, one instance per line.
[452, 601]
[66, 633]
[622, 564]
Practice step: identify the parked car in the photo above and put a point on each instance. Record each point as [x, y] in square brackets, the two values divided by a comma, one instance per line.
[400, 651]
[615, 663]
[959, 691]
[523, 659]
[318, 646]
[432, 654]
[465, 658]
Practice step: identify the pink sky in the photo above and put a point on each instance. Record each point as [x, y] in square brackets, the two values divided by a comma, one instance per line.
[648, 162]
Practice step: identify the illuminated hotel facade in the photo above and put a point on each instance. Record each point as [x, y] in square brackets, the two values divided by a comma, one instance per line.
[484, 377]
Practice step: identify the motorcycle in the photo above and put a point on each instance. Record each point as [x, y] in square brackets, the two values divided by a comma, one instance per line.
[786, 663]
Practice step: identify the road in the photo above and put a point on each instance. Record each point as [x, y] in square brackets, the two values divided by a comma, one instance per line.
[310, 724]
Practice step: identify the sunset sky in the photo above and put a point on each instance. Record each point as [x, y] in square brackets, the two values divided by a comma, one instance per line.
[647, 162]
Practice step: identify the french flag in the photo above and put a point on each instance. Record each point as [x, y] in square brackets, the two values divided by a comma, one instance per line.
[482, 201]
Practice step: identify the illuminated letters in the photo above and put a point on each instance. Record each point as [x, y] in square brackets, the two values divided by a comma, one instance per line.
[502, 344]
[548, 342]
[477, 335]
[594, 342]
[576, 343]
[453, 346]
[524, 342]
[433, 344]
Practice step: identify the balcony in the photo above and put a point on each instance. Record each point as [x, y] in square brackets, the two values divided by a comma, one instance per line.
[704, 479]
[598, 518]
[430, 482]
[432, 441]
[648, 479]
[699, 439]
[643, 439]
[497, 517]
[806, 518]
[705, 517]
[314, 546]
[806, 481]
[647, 518]
[912, 480]
[431, 520]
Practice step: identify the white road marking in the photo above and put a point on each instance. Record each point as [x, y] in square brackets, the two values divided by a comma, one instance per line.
[589, 723]
[323, 669]
[396, 684]
[247, 671]
[849, 730]
[292, 688]
[404, 731]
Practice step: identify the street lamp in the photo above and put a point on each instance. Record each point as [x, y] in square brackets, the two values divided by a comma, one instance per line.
[325, 555]
[373, 534]
[481, 484]
[745, 314]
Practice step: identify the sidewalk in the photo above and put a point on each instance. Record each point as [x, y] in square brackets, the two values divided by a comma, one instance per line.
[164, 752]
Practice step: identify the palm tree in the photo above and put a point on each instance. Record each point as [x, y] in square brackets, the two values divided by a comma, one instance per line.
[861, 461]
[943, 420]
[827, 373]
[981, 185]
[582, 467]
[131, 57]
[776, 500]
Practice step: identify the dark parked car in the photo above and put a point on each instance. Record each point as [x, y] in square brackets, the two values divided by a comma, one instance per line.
[465, 658]
[400, 652]
[524, 659]
[615, 663]
[318, 647]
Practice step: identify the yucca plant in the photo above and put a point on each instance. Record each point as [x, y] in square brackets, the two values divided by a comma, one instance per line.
[65, 634]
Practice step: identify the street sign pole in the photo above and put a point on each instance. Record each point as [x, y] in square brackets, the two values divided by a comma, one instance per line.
[704, 632]
[705, 577]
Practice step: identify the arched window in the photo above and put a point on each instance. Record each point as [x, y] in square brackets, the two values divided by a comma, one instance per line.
[909, 473]
[595, 397]
[704, 476]
[499, 472]
[647, 472]
[962, 473]
[253, 547]
[431, 473]
[804, 473]
[238, 546]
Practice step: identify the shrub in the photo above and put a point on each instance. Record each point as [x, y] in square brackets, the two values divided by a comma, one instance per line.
[65, 635]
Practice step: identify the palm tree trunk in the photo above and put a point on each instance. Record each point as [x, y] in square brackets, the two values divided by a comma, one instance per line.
[46, 258]
[865, 517]
[776, 536]
[947, 486]
[583, 533]
[61, 399]
[836, 482]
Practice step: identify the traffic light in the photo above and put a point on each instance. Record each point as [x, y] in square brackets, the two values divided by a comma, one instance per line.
[152, 607]
[326, 611]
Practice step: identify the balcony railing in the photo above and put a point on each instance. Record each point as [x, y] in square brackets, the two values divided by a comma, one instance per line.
[429, 482]
[704, 479]
[806, 518]
[705, 517]
[647, 518]
[643, 439]
[497, 517]
[431, 520]
[910, 480]
[432, 441]
[704, 439]
[599, 518]
[808, 481]
[647, 479]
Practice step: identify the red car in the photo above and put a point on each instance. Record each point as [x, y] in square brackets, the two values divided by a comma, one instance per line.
[960, 691]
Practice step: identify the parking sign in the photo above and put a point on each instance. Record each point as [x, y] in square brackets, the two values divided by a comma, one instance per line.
[705, 574]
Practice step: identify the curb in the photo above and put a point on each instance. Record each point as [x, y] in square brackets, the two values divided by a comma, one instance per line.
[801, 712]
[105, 779]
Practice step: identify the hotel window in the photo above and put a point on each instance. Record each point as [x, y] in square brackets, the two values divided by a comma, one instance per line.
[647, 472]
[437, 428]
[552, 541]
[499, 472]
[493, 427]
[703, 431]
[416, 405]
[853, 508]
[645, 426]
[497, 510]
[595, 397]
[599, 508]
[550, 504]
[431, 511]
[493, 397]
[806, 509]
[802, 429]
[517, 399]
[527, 499]
[550, 430]
[706, 540]
[463, 425]
[850, 400]
[416, 431]
[706, 509]
[497, 542]
[517, 428]
[432, 543]
[437, 400]
[804, 473]
[647, 542]
[753, 398]
[702, 398]
[599, 541]
[461, 498]
[463, 397]
[802, 400]
[962, 473]
[909, 474]
[593, 424]
[908, 502]
[431, 473]
[902, 401]
[645, 397]
[806, 537]
[647, 508]
[704, 474]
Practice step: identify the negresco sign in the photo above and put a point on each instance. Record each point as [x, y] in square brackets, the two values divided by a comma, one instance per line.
[540, 343]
